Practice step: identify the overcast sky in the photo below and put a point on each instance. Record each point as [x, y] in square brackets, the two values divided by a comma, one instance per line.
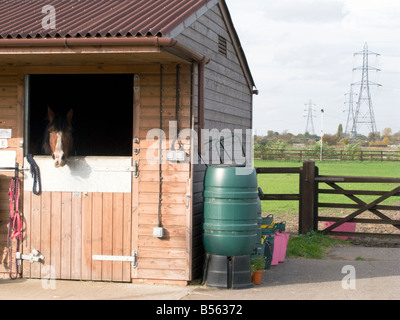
[302, 50]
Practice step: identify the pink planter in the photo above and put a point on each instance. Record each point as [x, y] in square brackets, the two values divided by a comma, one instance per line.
[285, 240]
[280, 245]
[275, 253]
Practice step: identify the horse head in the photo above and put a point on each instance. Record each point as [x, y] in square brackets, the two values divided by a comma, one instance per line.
[58, 141]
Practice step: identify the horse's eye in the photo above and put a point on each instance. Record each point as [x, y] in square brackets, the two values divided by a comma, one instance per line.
[63, 157]
[53, 156]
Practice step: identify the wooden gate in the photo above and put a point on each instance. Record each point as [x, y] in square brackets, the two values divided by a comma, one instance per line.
[309, 214]
[309, 204]
[374, 206]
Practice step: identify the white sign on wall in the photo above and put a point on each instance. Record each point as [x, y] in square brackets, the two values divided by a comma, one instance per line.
[7, 159]
[3, 143]
[5, 133]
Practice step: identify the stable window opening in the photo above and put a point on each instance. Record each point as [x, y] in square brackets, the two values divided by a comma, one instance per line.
[102, 106]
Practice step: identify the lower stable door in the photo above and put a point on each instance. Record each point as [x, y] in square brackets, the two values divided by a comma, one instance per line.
[81, 221]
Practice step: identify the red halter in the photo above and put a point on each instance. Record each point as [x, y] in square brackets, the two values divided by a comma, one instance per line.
[15, 224]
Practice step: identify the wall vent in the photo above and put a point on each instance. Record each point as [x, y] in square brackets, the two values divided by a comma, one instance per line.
[222, 45]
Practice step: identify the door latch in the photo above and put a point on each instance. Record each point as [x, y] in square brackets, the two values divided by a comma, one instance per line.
[34, 256]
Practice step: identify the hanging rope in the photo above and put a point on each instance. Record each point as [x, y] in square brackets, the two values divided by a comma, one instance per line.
[35, 172]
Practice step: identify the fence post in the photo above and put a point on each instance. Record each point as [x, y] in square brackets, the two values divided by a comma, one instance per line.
[307, 216]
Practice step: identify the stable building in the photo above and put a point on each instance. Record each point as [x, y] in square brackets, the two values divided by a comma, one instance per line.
[132, 72]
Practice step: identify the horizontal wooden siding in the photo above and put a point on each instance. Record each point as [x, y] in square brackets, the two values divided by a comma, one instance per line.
[164, 258]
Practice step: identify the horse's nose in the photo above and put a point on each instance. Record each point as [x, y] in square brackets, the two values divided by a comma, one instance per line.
[60, 164]
[60, 159]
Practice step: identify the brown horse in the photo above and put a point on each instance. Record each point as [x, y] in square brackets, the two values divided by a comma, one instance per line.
[58, 137]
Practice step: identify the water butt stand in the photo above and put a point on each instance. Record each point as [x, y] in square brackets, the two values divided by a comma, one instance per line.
[230, 225]
[226, 272]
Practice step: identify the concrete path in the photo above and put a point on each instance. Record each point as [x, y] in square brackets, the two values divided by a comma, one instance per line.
[346, 273]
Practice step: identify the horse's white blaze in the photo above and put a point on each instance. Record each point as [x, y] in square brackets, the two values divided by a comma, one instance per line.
[58, 152]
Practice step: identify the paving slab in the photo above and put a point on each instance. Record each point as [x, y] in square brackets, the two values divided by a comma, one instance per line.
[308, 279]
[347, 273]
[37, 289]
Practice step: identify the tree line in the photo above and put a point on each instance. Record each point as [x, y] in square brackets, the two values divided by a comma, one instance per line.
[285, 139]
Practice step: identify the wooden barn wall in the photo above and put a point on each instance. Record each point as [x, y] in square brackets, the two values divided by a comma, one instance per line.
[11, 117]
[167, 258]
[228, 101]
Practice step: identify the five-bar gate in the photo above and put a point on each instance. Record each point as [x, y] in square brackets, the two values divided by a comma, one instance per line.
[312, 185]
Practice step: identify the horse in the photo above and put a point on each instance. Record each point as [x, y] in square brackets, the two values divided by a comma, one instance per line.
[58, 140]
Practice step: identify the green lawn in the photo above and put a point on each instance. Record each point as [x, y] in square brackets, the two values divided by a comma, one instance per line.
[289, 183]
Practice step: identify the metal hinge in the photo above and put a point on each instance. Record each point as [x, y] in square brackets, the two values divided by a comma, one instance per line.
[132, 258]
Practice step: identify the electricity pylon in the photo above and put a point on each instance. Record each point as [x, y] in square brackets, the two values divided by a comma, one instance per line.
[364, 113]
[310, 122]
[350, 115]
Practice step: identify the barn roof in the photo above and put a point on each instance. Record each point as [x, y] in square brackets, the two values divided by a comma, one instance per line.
[27, 24]
[100, 18]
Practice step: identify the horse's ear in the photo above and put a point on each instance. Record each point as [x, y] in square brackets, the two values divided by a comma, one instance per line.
[70, 115]
[50, 114]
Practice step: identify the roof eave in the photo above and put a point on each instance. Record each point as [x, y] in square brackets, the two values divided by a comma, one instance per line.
[171, 45]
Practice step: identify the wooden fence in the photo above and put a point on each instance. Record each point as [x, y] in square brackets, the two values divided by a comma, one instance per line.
[309, 190]
[331, 154]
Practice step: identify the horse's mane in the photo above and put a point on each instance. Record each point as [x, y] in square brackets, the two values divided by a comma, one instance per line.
[46, 145]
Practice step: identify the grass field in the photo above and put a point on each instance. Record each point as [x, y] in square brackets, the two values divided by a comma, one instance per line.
[289, 183]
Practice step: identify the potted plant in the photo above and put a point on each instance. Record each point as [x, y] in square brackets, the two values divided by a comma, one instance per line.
[257, 264]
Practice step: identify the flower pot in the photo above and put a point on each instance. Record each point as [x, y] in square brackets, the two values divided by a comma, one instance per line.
[256, 276]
